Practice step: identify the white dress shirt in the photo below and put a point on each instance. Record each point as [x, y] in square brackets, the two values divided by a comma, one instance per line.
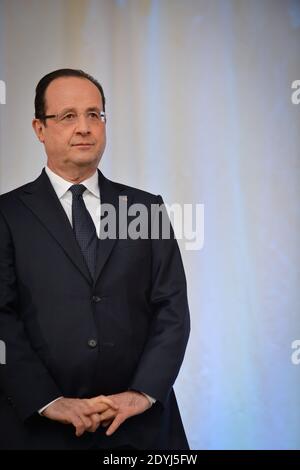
[91, 199]
[91, 196]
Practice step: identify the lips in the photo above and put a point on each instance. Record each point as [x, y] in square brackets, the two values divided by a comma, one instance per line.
[83, 146]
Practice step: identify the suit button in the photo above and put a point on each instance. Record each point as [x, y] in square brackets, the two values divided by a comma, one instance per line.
[92, 343]
[10, 401]
[96, 298]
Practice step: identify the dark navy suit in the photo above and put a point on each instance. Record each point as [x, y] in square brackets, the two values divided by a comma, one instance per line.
[69, 335]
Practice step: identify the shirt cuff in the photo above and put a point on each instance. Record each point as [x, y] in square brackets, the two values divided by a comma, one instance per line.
[40, 411]
[151, 399]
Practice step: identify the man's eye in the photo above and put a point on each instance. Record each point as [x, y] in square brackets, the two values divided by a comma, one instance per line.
[68, 117]
[93, 115]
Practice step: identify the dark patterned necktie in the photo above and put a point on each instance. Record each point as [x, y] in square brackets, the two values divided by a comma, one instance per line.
[84, 227]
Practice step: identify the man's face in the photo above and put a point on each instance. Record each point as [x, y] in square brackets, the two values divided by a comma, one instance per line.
[70, 146]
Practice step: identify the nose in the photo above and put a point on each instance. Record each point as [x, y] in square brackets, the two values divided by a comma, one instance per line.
[82, 125]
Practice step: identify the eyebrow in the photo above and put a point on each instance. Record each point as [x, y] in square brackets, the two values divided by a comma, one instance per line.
[74, 110]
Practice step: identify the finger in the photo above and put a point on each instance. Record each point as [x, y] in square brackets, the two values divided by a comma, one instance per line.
[101, 408]
[106, 400]
[105, 423]
[96, 420]
[108, 415]
[115, 424]
[88, 406]
[79, 425]
[87, 422]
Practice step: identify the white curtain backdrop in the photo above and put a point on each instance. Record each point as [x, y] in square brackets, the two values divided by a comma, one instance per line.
[199, 110]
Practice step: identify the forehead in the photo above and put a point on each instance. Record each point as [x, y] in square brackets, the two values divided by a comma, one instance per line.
[74, 92]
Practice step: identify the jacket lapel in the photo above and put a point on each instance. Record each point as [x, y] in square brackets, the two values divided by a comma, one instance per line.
[110, 193]
[42, 200]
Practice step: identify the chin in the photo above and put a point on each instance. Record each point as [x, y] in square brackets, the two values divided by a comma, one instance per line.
[85, 161]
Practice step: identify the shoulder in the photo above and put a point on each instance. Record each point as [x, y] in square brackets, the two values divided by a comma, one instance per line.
[10, 198]
[14, 192]
[135, 194]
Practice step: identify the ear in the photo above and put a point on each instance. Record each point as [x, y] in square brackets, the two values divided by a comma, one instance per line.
[39, 129]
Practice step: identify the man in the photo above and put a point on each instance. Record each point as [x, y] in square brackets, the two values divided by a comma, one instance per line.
[95, 326]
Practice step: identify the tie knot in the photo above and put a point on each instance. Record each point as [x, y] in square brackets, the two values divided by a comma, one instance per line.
[77, 189]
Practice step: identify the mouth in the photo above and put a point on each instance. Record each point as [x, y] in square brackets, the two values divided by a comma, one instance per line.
[83, 145]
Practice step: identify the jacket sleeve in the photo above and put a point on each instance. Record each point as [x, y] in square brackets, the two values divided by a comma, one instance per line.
[170, 326]
[24, 380]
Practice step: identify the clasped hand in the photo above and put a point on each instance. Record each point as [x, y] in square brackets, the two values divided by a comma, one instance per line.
[87, 414]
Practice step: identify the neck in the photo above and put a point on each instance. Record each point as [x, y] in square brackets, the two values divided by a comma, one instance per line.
[75, 176]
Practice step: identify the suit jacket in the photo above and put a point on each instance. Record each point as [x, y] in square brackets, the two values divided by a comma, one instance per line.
[69, 335]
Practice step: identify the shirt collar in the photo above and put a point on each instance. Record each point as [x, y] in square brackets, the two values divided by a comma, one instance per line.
[61, 186]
